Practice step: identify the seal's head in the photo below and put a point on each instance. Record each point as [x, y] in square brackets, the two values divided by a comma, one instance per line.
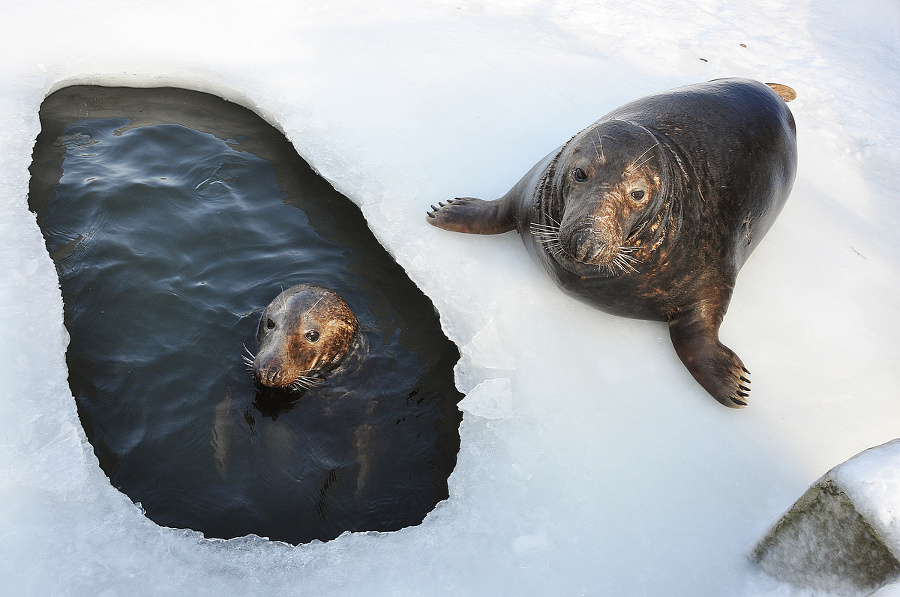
[609, 188]
[305, 332]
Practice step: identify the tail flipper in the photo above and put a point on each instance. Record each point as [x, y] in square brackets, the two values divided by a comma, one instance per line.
[786, 93]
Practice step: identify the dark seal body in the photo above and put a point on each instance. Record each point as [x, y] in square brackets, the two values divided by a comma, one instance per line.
[651, 211]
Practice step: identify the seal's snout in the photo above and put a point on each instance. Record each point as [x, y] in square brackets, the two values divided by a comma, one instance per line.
[587, 244]
[582, 244]
[574, 241]
[266, 374]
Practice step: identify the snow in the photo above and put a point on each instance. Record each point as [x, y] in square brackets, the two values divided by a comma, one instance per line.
[591, 462]
[872, 482]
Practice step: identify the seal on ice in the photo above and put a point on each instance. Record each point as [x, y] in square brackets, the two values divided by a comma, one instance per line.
[651, 211]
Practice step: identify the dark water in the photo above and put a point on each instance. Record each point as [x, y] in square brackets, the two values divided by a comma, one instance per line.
[174, 218]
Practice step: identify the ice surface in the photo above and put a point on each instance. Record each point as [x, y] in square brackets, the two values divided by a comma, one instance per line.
[600, 467]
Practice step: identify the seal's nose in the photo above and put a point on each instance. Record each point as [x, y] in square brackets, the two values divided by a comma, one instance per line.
[579, 244]
[266, 374]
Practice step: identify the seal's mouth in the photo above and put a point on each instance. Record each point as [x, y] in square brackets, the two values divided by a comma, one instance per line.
[587, 244]
[608, 258]
[586, 247]
[274, 377]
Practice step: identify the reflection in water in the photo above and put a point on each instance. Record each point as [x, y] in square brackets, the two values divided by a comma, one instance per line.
[173, 218]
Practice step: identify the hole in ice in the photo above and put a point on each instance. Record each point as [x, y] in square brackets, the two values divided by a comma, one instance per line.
[174, 218]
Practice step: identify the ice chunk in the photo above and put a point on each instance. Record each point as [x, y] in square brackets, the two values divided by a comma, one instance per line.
[491, 399]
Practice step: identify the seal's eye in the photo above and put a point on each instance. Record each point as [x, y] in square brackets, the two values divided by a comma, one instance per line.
[579, 174]
[312, 335]
[637, 195]
[270, 325]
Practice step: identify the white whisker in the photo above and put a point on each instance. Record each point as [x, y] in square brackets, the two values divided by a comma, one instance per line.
[547, 235]
[634, 165]
[306, 313]
[553, 223]
[305, 382]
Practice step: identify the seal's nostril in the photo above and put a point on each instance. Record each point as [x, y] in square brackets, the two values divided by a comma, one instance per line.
[581, 244]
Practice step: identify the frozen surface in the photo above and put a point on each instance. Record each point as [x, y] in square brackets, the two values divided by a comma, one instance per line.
[591, 462]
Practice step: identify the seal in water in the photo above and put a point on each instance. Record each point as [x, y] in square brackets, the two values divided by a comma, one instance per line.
[306, 332]
[651, 211]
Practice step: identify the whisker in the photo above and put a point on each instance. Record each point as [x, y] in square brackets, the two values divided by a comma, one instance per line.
[304, 382]
[547, 235]
[299, 385]
[556, 249]
[626, 263]
[313, 307]
[633, 166]
[548, 230]
[551, 219]
[644, 161]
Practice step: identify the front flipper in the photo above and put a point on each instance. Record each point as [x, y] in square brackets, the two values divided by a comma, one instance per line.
[474, 216]
[713, 365]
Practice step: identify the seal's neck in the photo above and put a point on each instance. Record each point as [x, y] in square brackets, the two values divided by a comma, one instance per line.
[356, 354]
